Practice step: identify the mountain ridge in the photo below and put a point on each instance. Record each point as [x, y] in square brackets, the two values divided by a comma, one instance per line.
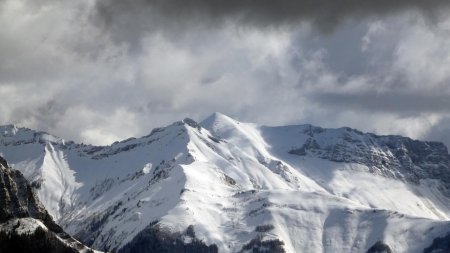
[9, 129]
[298, 187]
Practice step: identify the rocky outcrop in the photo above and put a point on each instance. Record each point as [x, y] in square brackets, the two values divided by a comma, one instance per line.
[39, 241]
[391, 156]
[258, 245]
[158, 239]
[17, 199]
[19, 204]
[379, 247]
[440, 244]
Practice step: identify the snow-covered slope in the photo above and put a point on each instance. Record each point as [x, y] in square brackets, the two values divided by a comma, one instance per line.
[239, 187]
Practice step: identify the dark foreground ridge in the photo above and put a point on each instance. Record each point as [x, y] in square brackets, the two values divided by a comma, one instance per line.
[157, 239]
[18, 202]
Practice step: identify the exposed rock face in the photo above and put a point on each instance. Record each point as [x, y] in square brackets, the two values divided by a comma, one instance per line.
[392, 156]
[17, 199]
[258, 245]
[39, 241]
[379, 247]
[157, 239]
[19, 204]
[440, 244]
[3, 162]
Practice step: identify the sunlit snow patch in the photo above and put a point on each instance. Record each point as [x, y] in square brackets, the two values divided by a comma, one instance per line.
[147, 168]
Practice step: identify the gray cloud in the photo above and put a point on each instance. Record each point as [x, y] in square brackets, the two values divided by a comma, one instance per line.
[440, 132]
[103, 71]
[400, 103]
[128, 21]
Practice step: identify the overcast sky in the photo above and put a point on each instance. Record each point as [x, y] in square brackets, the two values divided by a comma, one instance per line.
[98, 71]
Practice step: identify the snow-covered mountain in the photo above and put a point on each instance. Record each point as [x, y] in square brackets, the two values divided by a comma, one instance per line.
[227, 186]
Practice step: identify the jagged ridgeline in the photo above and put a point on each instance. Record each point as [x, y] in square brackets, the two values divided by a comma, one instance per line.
[226, 186]
[25, 225]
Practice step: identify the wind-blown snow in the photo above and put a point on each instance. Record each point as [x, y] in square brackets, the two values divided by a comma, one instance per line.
[226, 178]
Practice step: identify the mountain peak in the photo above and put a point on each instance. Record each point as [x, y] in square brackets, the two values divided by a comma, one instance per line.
[19, 135]
[216, 120]
[220, 116]
[191, 122]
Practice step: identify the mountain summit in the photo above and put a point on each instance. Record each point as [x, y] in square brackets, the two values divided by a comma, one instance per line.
[226, 186]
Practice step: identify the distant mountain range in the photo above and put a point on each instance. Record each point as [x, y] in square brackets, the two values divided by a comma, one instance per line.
[226, 186]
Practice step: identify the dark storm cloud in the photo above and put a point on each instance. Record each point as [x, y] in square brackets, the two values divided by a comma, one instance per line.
[128, 21]
[325, 13]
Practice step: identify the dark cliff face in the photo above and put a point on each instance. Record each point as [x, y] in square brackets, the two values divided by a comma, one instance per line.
[157, 239]
[17, 199]
[3, 162]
